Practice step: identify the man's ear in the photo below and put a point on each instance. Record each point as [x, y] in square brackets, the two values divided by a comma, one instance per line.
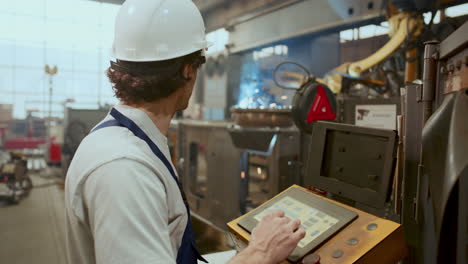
[188, 72]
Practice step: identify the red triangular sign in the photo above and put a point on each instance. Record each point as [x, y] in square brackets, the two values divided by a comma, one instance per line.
[321, 108]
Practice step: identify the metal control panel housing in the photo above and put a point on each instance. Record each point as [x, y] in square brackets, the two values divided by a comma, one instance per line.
[353, 162]
[320, 218]
[366, 239]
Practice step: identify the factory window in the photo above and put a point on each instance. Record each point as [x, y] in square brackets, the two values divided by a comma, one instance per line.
[458, 10]
[279, 50]
[364, 32]
[219, 38]
[453, 11]
[40, 32]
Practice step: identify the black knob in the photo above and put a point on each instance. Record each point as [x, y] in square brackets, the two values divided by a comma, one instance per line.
[311, 259]
[337, 253]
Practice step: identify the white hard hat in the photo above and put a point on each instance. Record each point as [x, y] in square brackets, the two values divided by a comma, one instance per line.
[155, 30]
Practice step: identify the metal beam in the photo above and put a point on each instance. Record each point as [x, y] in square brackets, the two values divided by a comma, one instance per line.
[217, 12]
[115, 2]
[203, 5]
[454, 42]
[294, 20]
[222, 15]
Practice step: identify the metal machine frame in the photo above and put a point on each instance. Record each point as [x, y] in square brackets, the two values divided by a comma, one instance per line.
[220, 202]
[276, 149]
[434, 158]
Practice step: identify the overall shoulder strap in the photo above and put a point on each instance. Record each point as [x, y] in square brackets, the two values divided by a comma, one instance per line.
[123, 121]
[137, 131]
[108, 123]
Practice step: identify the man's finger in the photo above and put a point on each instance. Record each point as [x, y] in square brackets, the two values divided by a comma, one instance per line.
[298, 235]
[294, 224]
[277, 213]
[283, 220]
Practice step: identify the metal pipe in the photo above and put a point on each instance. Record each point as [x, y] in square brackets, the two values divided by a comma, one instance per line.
[405, 25]
[427, 95]
[431, 51]
[411, 65]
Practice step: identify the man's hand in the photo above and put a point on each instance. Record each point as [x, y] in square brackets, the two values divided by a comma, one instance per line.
[272, 241]
[276, 236]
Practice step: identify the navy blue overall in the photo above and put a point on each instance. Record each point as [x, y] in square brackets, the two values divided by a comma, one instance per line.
[188, 253]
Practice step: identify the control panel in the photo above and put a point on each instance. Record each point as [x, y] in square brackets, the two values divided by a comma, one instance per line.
[335, 233]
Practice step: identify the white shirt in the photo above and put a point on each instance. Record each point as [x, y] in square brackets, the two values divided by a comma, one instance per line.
[122, 204]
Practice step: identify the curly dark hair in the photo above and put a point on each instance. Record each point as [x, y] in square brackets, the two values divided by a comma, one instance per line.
[136, 82]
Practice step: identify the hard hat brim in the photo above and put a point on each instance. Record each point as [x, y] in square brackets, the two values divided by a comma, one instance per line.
[199, 46]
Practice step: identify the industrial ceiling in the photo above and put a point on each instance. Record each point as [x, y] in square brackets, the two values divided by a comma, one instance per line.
[204, 5]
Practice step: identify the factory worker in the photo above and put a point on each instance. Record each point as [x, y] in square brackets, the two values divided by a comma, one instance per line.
[124, 201]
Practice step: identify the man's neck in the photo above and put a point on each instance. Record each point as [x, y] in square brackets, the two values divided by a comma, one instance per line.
[160, 112]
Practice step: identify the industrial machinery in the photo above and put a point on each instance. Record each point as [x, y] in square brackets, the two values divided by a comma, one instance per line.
[78, 123]
[435, 167]
[269, 162]
[228, 169]
[367, 160]
[356, 164]
[353, 164]
[336, 233]
[208, 166]
[422, 181]
[14, 174]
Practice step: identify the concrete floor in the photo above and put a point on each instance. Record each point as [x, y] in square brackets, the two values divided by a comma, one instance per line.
[33, 231]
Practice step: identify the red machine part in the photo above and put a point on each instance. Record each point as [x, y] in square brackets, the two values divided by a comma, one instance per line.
[55, 153]
[24, 143]
[320, 108]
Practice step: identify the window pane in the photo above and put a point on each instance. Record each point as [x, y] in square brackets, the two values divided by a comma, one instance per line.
[86, 37]
[62, 10]
[107, 94]
[106, 57]
[86, 12]
[86, 84]
[59, 34]
[29, 54]
[108, 13]
[63, 84]
[457, 10]
[19, 107]
[86, 60]
[61, 57]
[29, 7]
[29, 28]
[7, 28]
[30, 81]
[7, 52]
[106, 37]
[6, 81]
[74, 35]
[7, 7]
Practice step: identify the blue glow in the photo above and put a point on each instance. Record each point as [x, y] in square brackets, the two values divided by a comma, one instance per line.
[256, 85]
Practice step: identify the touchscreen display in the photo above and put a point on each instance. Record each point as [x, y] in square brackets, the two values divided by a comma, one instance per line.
[313, 221]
